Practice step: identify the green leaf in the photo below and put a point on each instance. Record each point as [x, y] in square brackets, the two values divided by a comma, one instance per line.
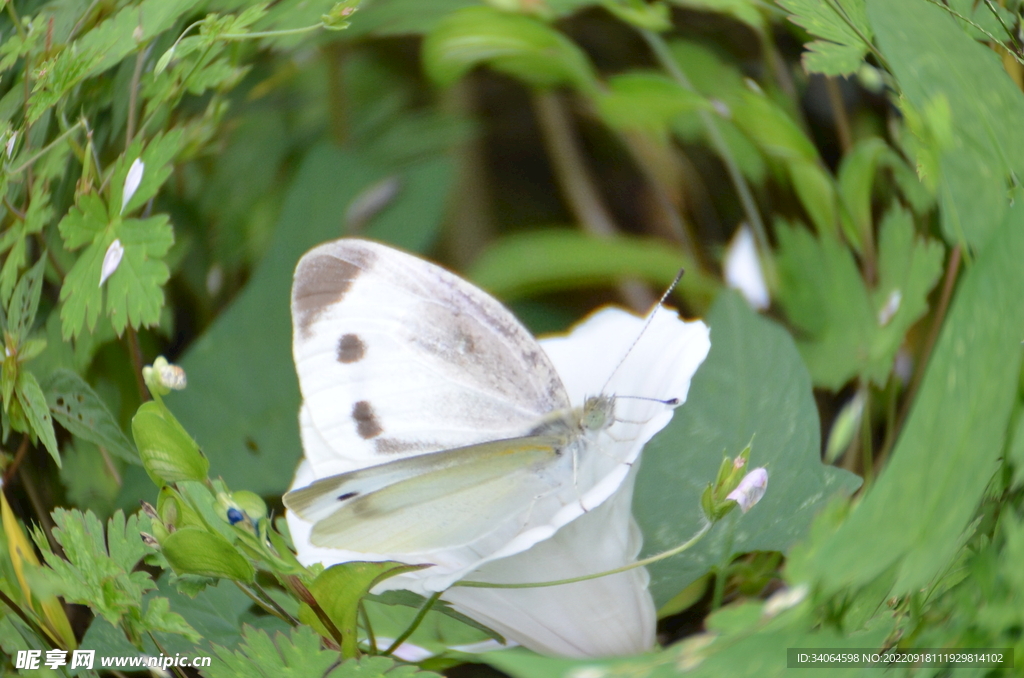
[156, 159]
[99, 570]
[752, 385]
[856, 178]
[947, 452]
[338, 590]
[297, 655]
[78, 409]
[33, 403]
[817, 193]
[403, 17]
[458, 629]
[558, 259]
[135, 293]
[193, 550]
[646, 101]
[91, 479]
[844, 28]
[847, 329]
[167, 450]
[514, 44]
[959, 89]
[21, 313]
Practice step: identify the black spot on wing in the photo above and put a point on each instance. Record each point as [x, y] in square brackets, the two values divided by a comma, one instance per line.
[322, 279]
[350, 349]
[347, 495]
[366, 420]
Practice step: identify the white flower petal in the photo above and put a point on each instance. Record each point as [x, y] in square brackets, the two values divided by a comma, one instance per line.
[10, 144]
[111, 260]
[743, 269]
[750, 490]
[559, 538]
[132, 181]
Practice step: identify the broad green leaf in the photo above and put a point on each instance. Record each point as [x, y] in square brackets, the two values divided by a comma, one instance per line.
[844, 30]
[947, 452]
[78, 409]
[243, 395]
[770, 127]
[753, 385]
[168, 452]
[646, 101]
[339, 589]
[192, 550]
[558, 259]
[978, 143]
[91, 480]
[403, 17]
[514, 44]
[135, 292]
[33, 403]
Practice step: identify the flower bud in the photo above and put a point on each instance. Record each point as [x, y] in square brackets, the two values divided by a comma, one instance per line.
[168, 452]
[164, 377]
[132, 181]
[111, 260]
[750, 490]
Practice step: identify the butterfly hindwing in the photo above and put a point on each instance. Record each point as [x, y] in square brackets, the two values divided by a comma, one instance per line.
[439, 500]
[397, 357]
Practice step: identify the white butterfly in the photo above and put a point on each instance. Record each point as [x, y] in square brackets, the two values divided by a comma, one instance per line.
[454, 416]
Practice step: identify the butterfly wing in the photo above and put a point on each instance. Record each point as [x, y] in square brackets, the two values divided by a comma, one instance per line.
[433, 501]
[397, 357]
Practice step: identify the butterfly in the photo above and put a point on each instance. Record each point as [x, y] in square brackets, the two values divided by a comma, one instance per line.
[453, 416]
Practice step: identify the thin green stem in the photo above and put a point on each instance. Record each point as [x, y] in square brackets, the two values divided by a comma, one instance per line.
[370, 637]
[270, 34]
[262, 604]
[625, 568]
[273, 603]
[414, 624]
[16, 20]
[664, 56]
[38, 154]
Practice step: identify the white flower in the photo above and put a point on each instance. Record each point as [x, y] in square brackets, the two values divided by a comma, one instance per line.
[784, 599]
[743, 269]
[559, 539]
[132, 181]
[111, 260]
[10, 144]
[750, 490]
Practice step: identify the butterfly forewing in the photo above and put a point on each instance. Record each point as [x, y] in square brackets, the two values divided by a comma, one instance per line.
[433, 501]
[398, 357]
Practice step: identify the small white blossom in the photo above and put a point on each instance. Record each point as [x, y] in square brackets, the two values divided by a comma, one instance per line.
[892, 305]
[132, 181]
[785, 599]
[167, 375]
[743, 269]
[10, 144]
[111, 260]
[750, 490]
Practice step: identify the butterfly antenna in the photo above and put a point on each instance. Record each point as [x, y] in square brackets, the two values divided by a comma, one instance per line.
[647, 323]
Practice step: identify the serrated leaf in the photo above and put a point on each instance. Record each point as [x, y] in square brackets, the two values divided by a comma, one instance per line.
[81, 296]
[844, 26]
[514, 44]
[297, 655]
[156, 158]
[91, 574]
[135, 293]
[78, 409]
[33, 403]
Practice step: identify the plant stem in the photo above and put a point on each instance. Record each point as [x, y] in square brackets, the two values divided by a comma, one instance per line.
[664, 56]
[133, 95]
[577, 185]
[16, 462]
[135, 351]
[417, 620]
[842, 122]
[44, 149]
[625, 568]
[369, 628]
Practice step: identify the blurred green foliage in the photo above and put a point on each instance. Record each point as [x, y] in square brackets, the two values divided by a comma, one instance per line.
[166, 162]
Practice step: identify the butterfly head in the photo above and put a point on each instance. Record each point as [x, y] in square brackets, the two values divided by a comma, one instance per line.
[598, 413]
